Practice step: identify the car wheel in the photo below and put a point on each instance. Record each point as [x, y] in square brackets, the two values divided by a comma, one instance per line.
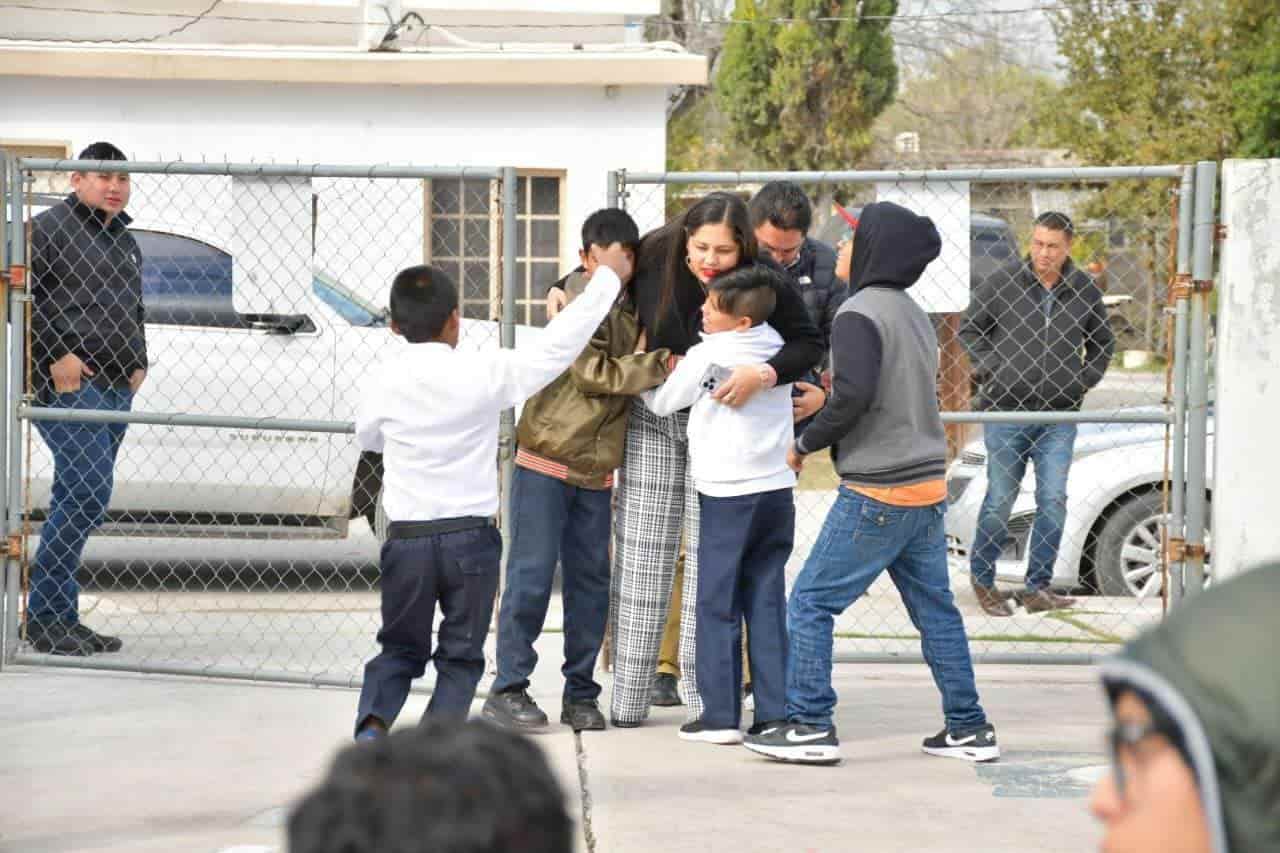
[366, 487]
[1128, 556]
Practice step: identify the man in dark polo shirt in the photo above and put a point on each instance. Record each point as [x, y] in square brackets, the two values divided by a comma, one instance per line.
[88, 351]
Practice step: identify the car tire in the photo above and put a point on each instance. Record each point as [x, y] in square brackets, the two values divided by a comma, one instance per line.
[366, 487]
[1127, 557]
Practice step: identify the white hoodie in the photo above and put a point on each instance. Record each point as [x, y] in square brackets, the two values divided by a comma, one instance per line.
[738, 451]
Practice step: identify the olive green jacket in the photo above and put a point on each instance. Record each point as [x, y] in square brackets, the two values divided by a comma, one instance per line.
[1213, 667]
[575, 428]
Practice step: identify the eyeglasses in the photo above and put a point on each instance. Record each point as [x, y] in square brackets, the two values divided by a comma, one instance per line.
[1127, 736]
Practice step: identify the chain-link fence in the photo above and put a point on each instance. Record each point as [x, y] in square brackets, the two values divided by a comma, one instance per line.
[253, 295]
[1060, 402]
[190, 381]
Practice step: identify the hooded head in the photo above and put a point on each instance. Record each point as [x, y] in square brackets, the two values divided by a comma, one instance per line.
[891, 247]
[1197, 707]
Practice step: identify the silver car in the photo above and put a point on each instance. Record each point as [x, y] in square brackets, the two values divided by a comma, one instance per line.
[1114, 532]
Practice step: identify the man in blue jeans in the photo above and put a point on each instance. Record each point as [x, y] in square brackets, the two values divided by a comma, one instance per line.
[888, 515]
[1038, 336]
[88, 351]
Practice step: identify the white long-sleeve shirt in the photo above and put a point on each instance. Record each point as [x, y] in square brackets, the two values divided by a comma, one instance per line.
[738, 451]
[432, 411]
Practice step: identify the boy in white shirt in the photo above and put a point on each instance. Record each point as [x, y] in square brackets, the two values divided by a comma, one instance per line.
[739, 461]
[432, 411]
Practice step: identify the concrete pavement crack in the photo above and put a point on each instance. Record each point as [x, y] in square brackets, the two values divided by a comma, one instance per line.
[584, 791]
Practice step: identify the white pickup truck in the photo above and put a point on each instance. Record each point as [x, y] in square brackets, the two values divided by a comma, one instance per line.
[208, 358]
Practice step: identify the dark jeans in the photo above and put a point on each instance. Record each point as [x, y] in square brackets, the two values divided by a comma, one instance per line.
[460, 571]
[552, 520]
[860, 539]
[743, 547]
[84, 459]
[1009, 448]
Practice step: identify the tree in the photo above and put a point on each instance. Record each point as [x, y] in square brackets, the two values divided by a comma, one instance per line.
[803, 93]
[970, 97]
[1145, 83]
[1256, 73]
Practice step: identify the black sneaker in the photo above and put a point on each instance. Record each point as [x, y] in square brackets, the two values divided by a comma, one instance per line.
[696, 731]
[514, 709]
[970, 745]
[582, 715]
[98, 642]
[625, 724]
[666, 693]
[53, 637]
[765, 727]
[797, 743]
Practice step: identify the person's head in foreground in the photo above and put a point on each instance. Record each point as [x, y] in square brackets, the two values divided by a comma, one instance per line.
[443, 787]
[1196, 737]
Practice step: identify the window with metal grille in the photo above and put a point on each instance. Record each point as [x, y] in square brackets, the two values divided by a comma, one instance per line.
[463, 240]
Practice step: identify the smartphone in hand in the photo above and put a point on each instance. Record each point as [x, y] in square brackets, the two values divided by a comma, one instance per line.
[714, 377]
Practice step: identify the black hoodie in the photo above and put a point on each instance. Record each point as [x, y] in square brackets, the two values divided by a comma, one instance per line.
[877, 342]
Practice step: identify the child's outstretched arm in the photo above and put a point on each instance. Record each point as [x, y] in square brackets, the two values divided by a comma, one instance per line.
[523, 372]
[597, 372]
[682, 388]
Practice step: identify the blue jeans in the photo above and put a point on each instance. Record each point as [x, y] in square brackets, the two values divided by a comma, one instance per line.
[1009, 447]
[554, 521]
[457, 571]
[84, 459]
[743, 548]
[860, 539]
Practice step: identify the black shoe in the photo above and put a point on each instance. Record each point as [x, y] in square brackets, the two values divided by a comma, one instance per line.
[765, 727]
[697, 731]
[53, 637]
[665, 691]
[514, 709]
[98, 642]
[796, 743]
[977, 744]
[582, 715]
[624, 724]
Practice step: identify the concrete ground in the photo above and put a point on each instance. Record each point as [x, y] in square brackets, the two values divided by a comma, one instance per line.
[98, 761]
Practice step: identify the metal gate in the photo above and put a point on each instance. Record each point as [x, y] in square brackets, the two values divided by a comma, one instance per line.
[1134, 537]
[242, 509]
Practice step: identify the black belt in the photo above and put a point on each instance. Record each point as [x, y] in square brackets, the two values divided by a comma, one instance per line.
[418, 529]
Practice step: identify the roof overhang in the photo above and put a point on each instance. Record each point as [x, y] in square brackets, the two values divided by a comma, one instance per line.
[514, 67]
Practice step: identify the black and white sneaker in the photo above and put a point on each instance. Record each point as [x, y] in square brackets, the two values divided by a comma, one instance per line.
[696, 731]
[969, 745]
[794, 742]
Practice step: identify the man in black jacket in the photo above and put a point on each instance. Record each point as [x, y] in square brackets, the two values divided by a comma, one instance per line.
[1038, 337]
[88, 351]
[780, 216]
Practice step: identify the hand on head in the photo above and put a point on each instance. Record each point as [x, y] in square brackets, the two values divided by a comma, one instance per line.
[616, 257]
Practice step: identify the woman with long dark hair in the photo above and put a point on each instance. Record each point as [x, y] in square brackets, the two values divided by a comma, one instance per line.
[656, 497]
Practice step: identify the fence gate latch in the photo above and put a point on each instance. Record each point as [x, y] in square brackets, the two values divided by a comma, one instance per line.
[13, 547]
[15, 276]
[1177, 549]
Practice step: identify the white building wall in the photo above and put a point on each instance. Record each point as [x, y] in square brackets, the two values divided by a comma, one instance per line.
[582, 131]
[1247, 408]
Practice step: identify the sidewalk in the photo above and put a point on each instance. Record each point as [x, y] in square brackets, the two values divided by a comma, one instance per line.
[94, 761]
